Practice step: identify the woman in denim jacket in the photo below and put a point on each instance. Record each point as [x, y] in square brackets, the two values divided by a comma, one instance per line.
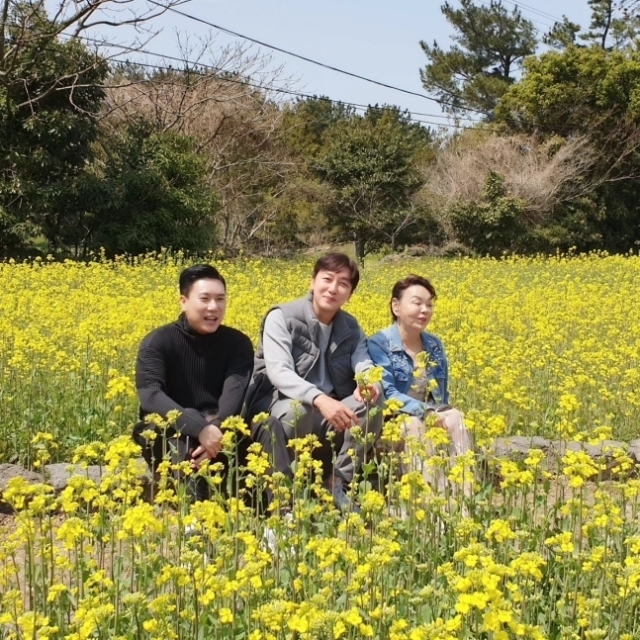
[396, 348]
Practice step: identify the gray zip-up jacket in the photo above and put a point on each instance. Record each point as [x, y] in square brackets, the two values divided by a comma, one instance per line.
[284, 371]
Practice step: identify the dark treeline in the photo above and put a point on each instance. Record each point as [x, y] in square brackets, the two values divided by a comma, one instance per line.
[96, 153]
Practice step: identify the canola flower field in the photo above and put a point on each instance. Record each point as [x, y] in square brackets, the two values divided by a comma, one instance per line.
[537, 548]
[536, 346]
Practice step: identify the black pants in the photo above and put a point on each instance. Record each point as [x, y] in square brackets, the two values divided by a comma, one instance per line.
[178, 449]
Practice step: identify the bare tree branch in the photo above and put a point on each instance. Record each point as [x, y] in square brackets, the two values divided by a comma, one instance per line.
[220, 97]
[72, 18]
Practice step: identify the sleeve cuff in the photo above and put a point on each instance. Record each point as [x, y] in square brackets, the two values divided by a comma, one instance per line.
[311, 395]
[417, 410]
[194, 427]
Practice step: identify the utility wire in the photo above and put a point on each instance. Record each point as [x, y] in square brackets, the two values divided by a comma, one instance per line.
[534, 10]
[262, 87]
[330, 67]
[542, 24]
[306, 59]
[299, 94]
[195, 65]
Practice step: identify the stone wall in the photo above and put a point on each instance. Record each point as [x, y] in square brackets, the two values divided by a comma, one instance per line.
[513, 447]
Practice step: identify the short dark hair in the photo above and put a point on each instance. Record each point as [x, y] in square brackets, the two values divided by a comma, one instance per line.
[402, 285]
[334, 262]
[198, 272]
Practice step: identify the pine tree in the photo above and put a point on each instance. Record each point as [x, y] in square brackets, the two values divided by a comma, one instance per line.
[614, 25]
[490, 46]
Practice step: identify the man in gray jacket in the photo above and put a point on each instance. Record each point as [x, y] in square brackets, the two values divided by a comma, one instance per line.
[307, 357]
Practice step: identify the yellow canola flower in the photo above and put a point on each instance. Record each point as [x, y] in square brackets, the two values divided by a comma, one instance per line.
[500, 531]
[535, 346]
[520, 335]
[140, 520]
[579, 467]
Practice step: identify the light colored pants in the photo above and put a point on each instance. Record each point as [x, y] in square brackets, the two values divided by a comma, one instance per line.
[302, 420]
[460, 443]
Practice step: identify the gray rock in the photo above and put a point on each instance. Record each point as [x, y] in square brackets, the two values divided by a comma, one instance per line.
[634, 450]
[514, 446]
[601, 453]
[58, 474]
[10, 471]
[601, 450]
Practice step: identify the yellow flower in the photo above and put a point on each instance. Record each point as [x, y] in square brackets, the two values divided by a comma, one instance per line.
[372, 502]
[353, 617]
[226, 615]
[392, 406]
[500, 531]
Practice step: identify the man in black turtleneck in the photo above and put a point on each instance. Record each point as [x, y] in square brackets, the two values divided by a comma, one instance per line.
[198, 367]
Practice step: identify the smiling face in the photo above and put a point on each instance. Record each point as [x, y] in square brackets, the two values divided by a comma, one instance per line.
[414, 308]
[330, 291]
[204, 305]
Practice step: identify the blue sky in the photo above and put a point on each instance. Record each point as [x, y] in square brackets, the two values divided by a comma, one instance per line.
[378, 39]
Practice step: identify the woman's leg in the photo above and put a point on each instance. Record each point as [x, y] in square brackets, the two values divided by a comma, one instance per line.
[453, 422]
[432, 473]
[460, 437]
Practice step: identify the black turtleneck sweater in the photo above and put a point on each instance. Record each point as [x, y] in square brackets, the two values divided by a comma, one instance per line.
[178, 368]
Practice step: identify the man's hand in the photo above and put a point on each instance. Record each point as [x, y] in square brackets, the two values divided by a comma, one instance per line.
[196, 462]
[210, 445]
[335, 413]
[374, 393]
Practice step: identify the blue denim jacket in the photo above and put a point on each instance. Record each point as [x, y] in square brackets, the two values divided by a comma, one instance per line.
[386, 350]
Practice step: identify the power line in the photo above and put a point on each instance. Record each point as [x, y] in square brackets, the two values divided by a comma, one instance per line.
[301, 95]
[262, 87]
[542, 24]
[534, 10]
[307, 59]
[490, 3]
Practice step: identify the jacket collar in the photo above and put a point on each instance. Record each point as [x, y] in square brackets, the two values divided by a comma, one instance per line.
[339, 328]
[395, 341]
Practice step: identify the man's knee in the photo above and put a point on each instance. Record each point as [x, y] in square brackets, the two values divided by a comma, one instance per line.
[290, 411]
[295, 417]
[268, 432]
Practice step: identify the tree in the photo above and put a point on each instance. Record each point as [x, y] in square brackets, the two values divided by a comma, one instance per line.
[309, 120]
[562, 34]
[491, 44]
[68, 19]
[51, 90]
[370, 163]
[146, 191]
[592, 93]
[495, 223]
[610, 22]
[628, 6]
[237, 124]
[541, 176]
[581, 90]
[46, 136]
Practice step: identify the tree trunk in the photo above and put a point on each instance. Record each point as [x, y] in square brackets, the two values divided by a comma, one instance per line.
[359, 247]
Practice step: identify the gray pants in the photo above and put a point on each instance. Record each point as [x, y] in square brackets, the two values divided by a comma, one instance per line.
[286, 422]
